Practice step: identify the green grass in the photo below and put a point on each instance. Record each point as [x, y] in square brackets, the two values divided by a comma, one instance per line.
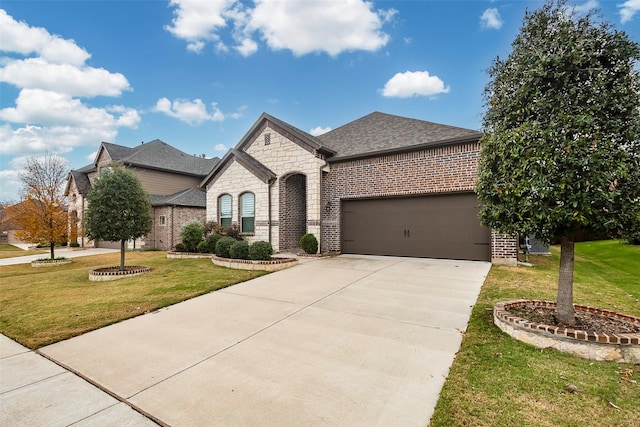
[40, 306]
[498, 381]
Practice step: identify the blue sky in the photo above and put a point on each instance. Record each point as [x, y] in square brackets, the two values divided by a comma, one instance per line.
[197, 74]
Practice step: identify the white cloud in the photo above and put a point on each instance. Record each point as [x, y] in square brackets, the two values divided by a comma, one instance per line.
[19, 37]
[55, 139]
[220, 147]
[197, 21]
[628, 9]
[40, 107]
[47, 114]
[414, 83]
[319, 130]
[191, 112]
[582, 9]
[247, 47]
[490, 18]
[92, 156]
[336, 26]
[38, 73]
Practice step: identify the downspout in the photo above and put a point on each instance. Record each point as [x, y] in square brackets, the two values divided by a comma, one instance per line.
[171, 247]
[269, 186]
[321, 243]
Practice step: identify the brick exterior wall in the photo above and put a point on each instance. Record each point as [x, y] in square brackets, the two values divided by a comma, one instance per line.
[504, 249]
[427, 171]
[293, 210]
[167, 236]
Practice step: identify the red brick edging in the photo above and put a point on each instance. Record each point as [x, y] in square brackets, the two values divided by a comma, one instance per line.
[501, 311]
[620, 347]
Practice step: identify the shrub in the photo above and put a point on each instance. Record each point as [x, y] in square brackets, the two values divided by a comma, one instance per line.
[74, 244]
[209, 244]
[260, 251]
[191, 235]
[223, 246]
[180, 248]
[203, 247]
[233, 232]
[239, 250]
[309, 243]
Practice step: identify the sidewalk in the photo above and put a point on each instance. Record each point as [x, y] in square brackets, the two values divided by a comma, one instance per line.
[60, 252]
[35, 391]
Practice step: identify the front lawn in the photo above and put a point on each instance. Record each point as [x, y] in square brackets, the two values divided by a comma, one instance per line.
[10, 251]
[498, 381]
[40, 306]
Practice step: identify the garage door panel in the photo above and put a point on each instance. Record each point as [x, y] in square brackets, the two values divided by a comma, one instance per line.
[441, 226]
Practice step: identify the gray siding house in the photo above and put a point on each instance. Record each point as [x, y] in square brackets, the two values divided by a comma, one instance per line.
[170, 176]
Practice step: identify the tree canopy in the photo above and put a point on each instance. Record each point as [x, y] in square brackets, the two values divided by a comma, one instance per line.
[561, 147]
[42, 215]
[118, 208]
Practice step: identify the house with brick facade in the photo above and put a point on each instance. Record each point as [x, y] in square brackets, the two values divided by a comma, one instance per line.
[380, 185]
[170, 176]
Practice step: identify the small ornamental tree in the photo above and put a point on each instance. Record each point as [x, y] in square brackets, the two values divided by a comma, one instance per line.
[118, 208]
[42, 216]
[562, 135]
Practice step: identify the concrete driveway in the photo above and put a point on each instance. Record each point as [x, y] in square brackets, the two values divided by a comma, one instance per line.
[350, 340]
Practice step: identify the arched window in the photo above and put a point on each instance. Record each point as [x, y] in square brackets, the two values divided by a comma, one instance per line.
[247, 213]
[224, 210]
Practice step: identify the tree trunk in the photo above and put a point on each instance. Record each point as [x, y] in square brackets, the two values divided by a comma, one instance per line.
[565, 311]
[51, 248]
[122, 242]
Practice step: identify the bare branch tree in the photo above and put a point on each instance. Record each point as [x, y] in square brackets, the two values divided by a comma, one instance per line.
[43, 212]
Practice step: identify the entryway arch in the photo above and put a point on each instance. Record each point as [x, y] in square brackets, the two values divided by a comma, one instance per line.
[293, 210]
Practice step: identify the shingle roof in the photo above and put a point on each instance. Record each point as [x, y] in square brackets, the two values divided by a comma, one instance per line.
[160, 155]
[82, 182]
[192, 197]
[378, 133]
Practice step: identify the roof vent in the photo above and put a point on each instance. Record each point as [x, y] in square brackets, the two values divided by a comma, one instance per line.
[267, 138]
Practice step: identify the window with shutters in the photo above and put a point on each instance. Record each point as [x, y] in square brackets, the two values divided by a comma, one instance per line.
[224, 210]
[247, 213]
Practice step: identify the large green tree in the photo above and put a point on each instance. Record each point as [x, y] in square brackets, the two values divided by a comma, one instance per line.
[562, 134]
[119, 208]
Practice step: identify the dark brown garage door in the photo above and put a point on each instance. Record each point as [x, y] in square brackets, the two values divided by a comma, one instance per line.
[441, 226]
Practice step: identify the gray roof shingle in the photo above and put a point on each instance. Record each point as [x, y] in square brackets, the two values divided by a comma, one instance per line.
[191, 197]
[379, 133]
[160, 155]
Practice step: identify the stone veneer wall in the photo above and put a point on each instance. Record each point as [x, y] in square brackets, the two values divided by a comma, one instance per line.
[283, 157]
[428, 171]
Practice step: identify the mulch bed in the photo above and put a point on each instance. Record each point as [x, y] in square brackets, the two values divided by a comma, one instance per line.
[589, 322]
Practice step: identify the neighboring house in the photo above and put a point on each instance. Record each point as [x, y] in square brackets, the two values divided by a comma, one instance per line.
[171, 178]
[382, 185]
[9, 224]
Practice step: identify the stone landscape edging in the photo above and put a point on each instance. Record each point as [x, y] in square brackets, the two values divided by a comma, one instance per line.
[274, 264]
[187, 255]
[50, 262]
[624, 348]
[105, 274]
